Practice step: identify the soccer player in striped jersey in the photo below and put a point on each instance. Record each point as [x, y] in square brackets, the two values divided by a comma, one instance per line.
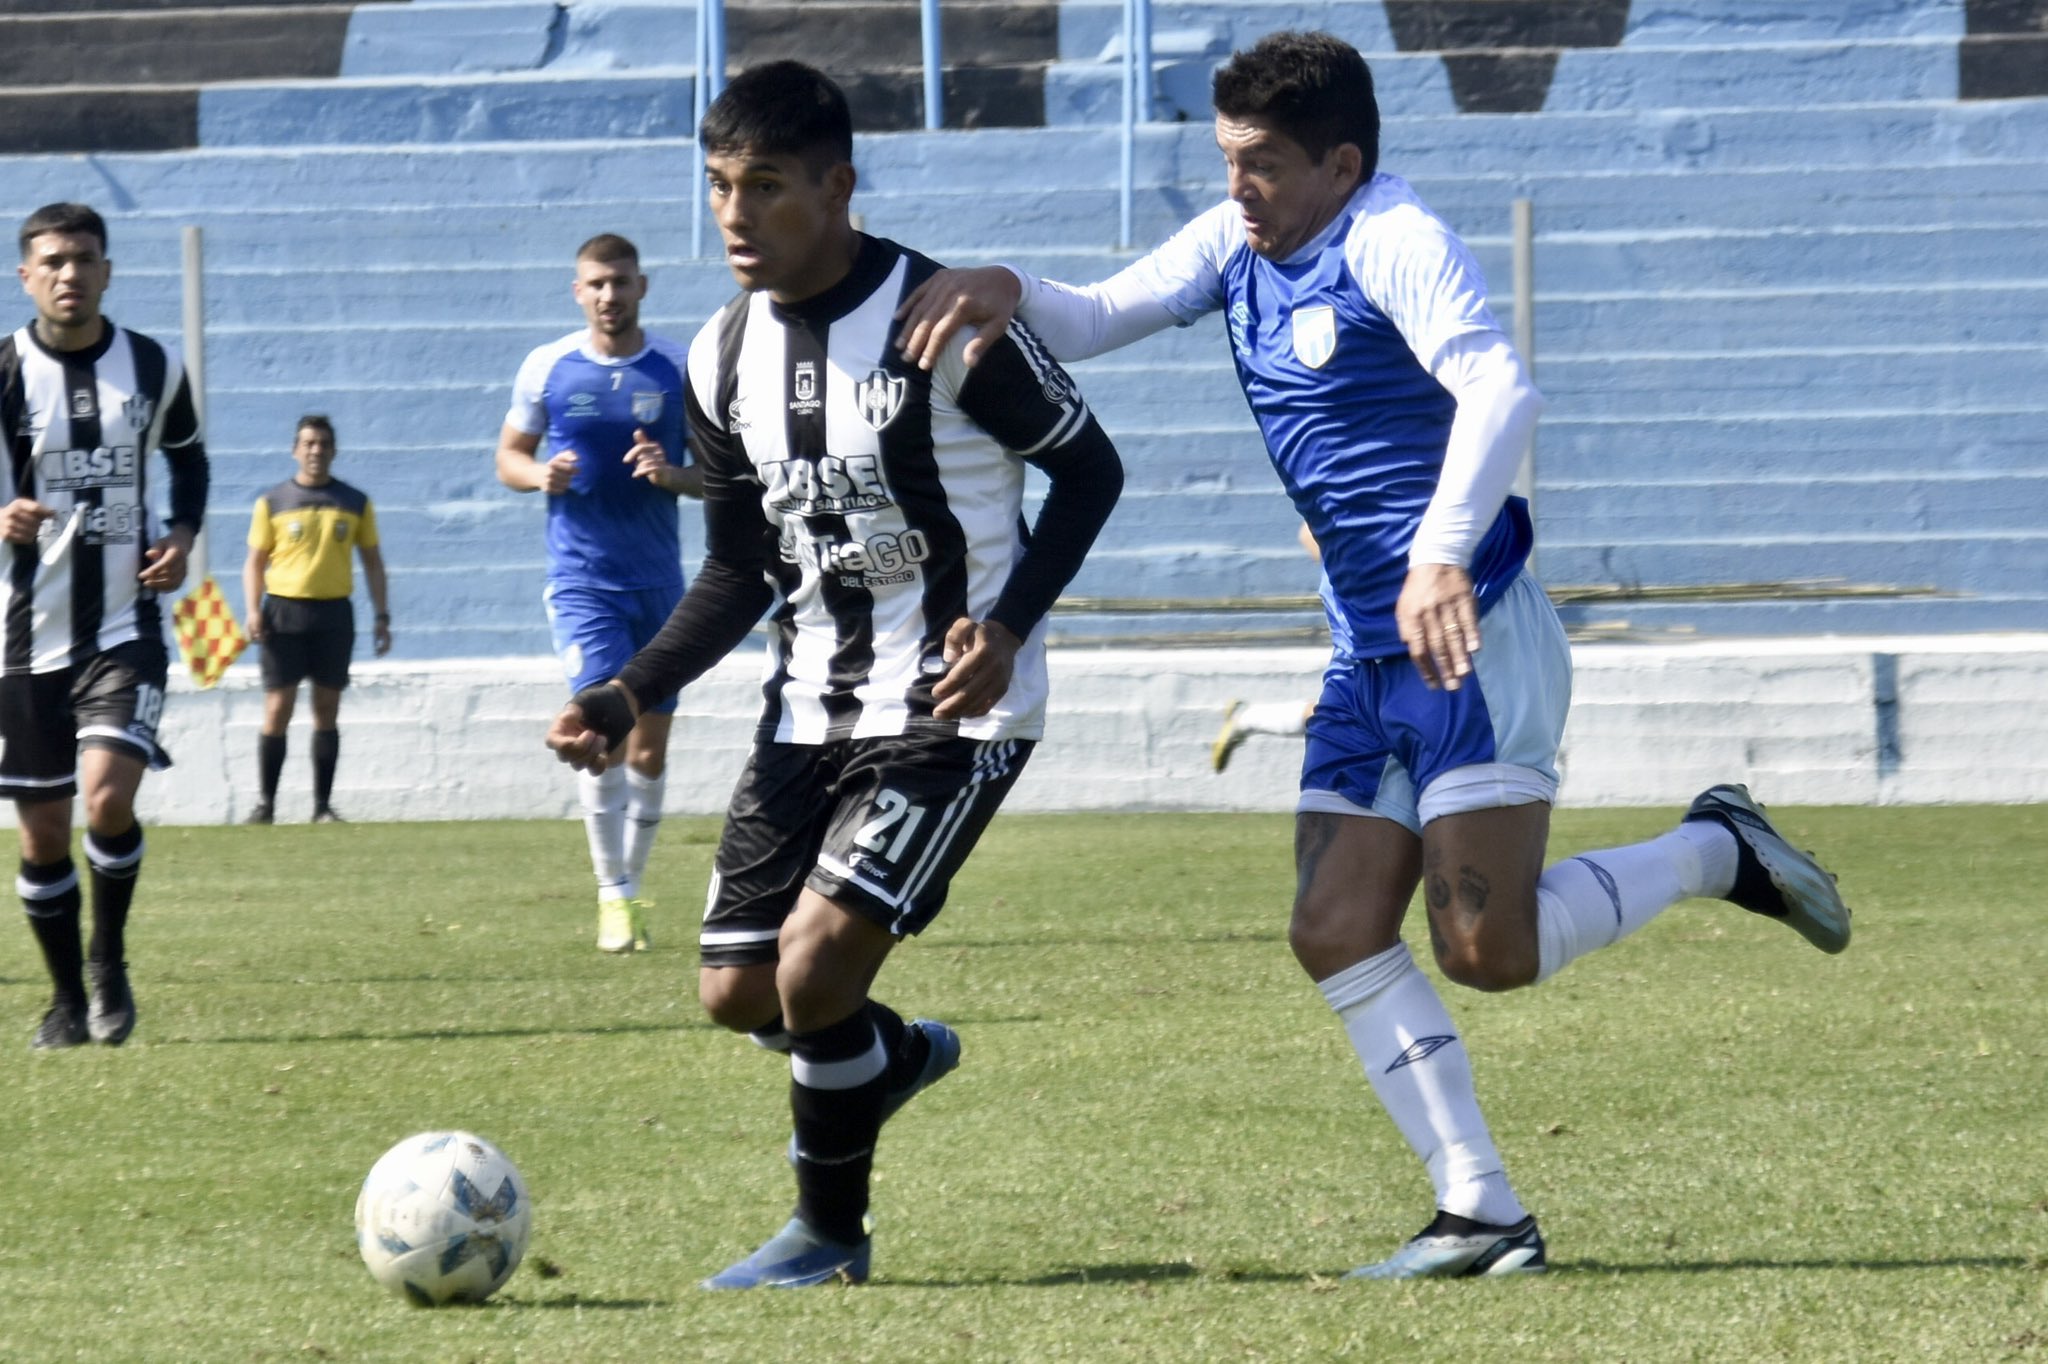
[876, 511]
[608, 401]
[1395, 411]
[82, 656]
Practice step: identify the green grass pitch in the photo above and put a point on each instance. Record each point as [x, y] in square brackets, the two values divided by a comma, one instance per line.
[1158, 1146]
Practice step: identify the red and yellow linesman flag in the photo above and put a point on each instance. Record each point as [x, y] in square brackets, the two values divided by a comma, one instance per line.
[208, 636]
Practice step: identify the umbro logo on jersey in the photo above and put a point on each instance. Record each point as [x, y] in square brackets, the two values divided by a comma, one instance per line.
[581, 405]
[880, 397]
[1421, 1049]
[1315, 335]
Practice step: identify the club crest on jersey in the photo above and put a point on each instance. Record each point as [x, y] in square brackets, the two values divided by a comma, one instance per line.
[1315, 335]
[880, 397]
[84, 403]
[138, 410]
[804, 387]
[646, 407]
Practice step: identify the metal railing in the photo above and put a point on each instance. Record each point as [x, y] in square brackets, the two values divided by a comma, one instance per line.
[1137, 94]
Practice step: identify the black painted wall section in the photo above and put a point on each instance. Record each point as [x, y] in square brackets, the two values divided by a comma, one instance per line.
[1501, 54]
[2005, 52]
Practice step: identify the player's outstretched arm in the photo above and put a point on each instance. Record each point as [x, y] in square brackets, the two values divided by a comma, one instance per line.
[984, 297]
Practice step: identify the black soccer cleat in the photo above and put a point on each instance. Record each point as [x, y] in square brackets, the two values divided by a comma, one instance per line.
[261, 813]
[327, 814]
[111, 1015]
[63, 1026]
[1773, 878]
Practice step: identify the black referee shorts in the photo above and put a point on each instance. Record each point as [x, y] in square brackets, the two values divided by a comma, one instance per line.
[304, 637]
[878, 825]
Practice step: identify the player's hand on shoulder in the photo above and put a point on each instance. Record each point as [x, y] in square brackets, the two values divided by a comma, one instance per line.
[981, 658]
[1439, 622]
[21, 519]
[984, 297]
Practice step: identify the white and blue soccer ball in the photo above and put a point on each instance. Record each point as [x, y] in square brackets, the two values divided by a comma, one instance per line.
[443, 1217]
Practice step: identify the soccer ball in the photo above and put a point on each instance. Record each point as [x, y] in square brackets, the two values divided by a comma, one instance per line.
[443, 1217]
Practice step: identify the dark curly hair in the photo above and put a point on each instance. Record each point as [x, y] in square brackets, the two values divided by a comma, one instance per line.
[1313, 87]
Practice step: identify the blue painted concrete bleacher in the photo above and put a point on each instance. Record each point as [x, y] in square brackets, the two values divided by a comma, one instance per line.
[1789, 294]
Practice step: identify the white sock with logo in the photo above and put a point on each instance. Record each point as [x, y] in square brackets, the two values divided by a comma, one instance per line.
[603, 795]
[1416, 1062]
[1596, 899]
[644, 796]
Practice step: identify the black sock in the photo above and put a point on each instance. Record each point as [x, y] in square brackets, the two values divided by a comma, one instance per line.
[326, 749]
[905, 1046]
[836, 1122]
[115, 860]
[270, 750]
[52, 905]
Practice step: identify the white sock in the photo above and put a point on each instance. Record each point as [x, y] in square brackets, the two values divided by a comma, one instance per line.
[1273, 717]
[644, 796]
[1596, 899]
[604, 818]
[1417, 1065]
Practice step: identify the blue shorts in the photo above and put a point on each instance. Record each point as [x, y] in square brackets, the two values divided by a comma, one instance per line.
[1382, 743]
[597, 629]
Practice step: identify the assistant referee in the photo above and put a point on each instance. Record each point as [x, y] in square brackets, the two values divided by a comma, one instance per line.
[296, 587]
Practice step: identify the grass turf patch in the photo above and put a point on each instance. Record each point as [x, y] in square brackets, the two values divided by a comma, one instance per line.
[1158, 1146]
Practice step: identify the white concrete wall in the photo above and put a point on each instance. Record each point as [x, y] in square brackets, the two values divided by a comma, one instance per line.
[1830, 721]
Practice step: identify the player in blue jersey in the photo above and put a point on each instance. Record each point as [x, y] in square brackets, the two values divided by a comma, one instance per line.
[608, 401]
[1395, 411]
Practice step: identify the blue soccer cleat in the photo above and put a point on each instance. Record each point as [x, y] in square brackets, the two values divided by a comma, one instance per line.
[939, 1062]
[797, 1257]
[1772, 877]
[1458, 1248]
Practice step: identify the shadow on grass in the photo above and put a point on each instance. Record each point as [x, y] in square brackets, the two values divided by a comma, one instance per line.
[429, 1035]
[1726, 1266]
[579, 1303]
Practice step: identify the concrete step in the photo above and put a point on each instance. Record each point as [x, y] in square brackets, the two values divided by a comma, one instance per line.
[1511, 151]
[1947, 502]
[1804, 74]
[1087, 26]
[521, 107]
[171, 47]
[1893, 439]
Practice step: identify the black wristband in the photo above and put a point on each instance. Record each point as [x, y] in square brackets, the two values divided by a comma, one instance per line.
[383, 618]
[605, 710]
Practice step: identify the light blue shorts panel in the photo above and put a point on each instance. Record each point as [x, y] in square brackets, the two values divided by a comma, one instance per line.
[597, 630]
[1382, 743]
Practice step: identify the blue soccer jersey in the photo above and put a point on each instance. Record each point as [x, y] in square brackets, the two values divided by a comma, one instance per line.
[610, 529]
[1333, 348]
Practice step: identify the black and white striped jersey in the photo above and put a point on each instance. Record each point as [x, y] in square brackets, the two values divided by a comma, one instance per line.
[79, 427]
[884, 503]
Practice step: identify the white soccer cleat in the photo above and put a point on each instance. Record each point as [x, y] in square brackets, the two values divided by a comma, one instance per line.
[1772, 877]
[1458, 1248]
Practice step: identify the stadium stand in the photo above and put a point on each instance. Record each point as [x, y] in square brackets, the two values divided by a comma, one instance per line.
[1790, 268]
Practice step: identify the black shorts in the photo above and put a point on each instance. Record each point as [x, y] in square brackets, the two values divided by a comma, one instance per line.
[305, 638]
[878, 825]
[113, 702]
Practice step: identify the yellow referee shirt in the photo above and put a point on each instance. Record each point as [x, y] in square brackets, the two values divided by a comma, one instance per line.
[311, 535]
